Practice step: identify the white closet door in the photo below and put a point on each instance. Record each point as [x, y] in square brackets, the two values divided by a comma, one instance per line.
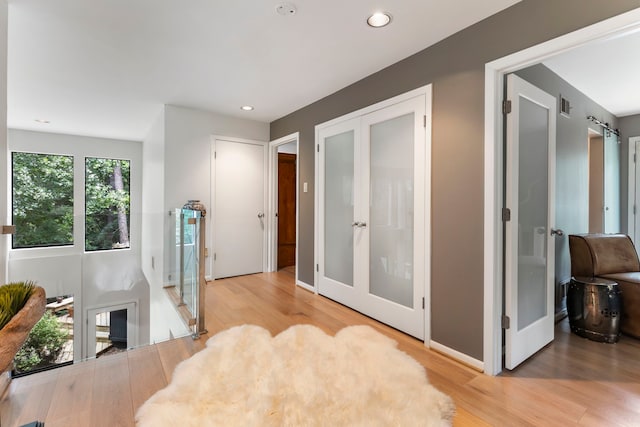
[372, 233]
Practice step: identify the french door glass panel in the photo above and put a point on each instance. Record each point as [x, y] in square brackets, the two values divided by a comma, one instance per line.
[532, 208]
[338, 207]
[391, 209]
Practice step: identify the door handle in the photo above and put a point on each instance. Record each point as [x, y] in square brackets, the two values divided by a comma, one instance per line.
[359, 224]
[260, 215]
[557, 232]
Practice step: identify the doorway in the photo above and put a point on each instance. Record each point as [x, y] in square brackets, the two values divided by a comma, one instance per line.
[283, 205]
[633, 222]
[111, 327]
[596, 182]
[495, 73]
[286, 214]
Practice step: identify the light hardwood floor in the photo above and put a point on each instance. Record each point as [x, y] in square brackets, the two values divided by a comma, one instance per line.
[573, 381]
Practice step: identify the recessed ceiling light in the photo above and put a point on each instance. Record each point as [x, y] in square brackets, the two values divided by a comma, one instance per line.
[246, 108]
[42, 121]
[379, 19]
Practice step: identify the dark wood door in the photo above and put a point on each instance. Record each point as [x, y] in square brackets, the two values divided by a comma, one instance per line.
[286, 210]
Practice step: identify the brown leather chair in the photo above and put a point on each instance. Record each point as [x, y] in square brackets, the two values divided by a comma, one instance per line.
[611, 256]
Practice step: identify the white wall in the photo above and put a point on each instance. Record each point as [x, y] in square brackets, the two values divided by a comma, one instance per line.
[153, 202]
[4, 240]
[188, 157]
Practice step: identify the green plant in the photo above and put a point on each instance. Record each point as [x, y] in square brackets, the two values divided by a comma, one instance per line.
[12, 298]
[44, 344]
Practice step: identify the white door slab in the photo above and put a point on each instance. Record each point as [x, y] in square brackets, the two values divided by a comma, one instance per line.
[239, 207]
[529, 243]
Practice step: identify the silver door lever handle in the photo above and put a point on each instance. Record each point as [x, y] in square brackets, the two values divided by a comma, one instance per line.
[260, 215]
[359, 224]
[557, 232]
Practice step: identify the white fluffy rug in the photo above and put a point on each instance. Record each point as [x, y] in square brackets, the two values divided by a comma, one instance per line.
[301, 377]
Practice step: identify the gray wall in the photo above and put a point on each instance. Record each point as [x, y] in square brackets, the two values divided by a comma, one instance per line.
[572, 161]
[455, 67]
[629, 126]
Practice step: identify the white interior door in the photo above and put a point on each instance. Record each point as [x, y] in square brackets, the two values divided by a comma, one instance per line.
[530, 197]
[372, 214]
[239, 204]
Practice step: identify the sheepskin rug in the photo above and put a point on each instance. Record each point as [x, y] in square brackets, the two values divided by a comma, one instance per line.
[301, 377]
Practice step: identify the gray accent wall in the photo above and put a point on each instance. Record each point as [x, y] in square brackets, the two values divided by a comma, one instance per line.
[572, 161]
[629, 127]
[455, 67]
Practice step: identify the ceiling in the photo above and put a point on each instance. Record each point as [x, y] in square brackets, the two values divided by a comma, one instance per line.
[106, 67]
[606, 71]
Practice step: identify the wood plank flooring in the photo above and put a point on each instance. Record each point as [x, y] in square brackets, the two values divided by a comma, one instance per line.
[571, 382]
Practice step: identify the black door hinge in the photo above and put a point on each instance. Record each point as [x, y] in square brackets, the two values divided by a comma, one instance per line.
[506, 106]
[506, 214]
[506, 322]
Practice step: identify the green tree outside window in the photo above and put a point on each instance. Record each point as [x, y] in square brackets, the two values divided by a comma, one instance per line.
[107, 202]
[42, 200]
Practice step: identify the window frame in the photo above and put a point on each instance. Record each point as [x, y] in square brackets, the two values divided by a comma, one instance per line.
[80, 147]
[11, 207]
[85, 216]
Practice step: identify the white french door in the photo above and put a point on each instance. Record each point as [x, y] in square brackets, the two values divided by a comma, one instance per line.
[372, 216]
[530, 197]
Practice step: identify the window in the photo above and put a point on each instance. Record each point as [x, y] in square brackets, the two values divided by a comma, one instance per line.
[42, 200]
[107, 200]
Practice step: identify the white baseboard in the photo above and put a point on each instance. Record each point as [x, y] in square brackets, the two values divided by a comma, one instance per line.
[455, 354]
[305, 286]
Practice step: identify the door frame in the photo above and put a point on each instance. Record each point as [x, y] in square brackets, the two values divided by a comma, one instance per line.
[272, 224]
[211, 212]
[133, 324]
[427, 91]
[632, 168]
[495, 72]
